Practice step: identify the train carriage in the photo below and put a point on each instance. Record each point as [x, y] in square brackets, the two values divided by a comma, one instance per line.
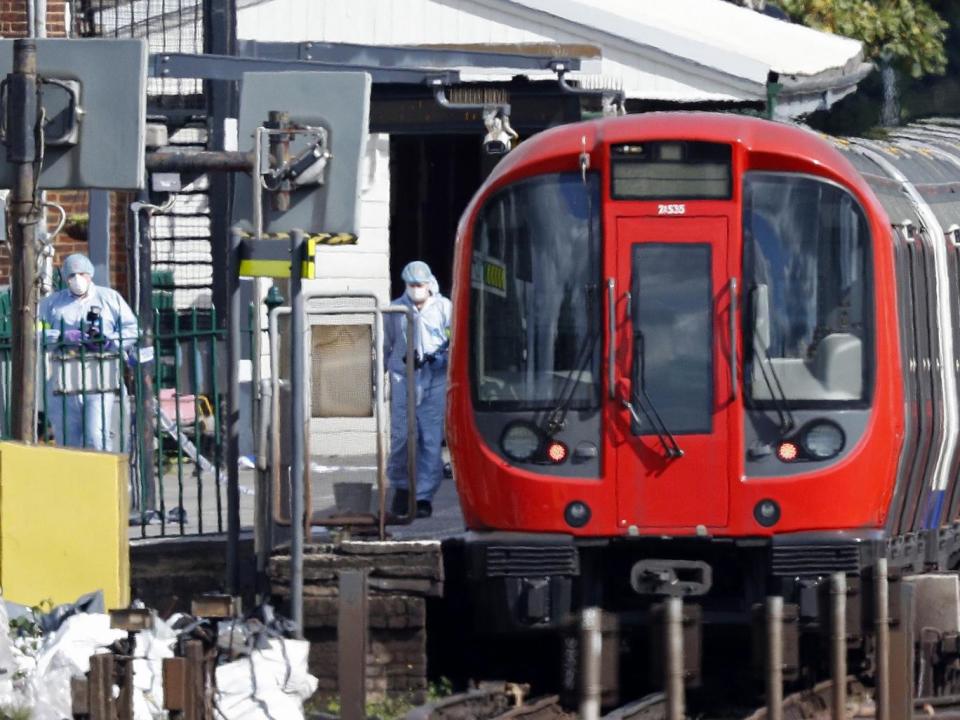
[704, 355]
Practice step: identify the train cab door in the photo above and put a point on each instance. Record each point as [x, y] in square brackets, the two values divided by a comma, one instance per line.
[673, 379]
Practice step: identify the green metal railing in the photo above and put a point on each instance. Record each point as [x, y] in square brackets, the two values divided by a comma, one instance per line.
[158, 397]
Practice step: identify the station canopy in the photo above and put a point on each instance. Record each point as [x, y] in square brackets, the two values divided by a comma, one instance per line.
[684, 51]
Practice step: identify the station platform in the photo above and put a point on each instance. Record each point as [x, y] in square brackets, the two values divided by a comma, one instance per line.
[205, 516]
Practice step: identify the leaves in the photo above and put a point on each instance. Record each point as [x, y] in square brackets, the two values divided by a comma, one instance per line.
[908, 32]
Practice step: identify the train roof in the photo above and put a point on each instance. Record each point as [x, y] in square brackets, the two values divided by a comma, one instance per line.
[925, 154]
[552, 146]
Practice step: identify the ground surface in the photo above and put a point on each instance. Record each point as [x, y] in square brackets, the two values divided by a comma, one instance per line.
[198, 497]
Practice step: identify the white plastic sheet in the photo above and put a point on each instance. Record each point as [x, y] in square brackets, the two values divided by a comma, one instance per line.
[45, 669]
[35, 672]
[270, 684]
[41, 668]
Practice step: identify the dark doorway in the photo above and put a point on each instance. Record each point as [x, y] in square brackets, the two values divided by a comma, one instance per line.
[432, 178]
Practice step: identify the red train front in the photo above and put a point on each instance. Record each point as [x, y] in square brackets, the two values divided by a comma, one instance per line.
[675, 368]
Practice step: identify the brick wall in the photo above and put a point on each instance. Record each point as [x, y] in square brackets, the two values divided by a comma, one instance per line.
[13, 23]
[401, 576]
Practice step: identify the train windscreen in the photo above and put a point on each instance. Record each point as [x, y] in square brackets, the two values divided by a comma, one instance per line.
[806, 269]
[535, 301]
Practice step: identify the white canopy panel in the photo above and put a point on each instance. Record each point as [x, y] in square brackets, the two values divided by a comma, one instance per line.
[675, 50]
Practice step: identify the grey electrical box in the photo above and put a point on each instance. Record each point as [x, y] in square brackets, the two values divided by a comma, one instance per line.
[94, 99]
[336, 101]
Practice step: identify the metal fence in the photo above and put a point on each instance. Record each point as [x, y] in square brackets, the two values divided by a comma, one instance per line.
[166, 25]
[157, 396]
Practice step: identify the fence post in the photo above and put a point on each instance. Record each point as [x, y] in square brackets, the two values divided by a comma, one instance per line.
[591, 646]
[774, 674]
[838, 644]
[352, 643]
[882, 619]
[101, 704]
[297, 440]
[143, 297]
[673, 666]
[233, 414]
[22, 114]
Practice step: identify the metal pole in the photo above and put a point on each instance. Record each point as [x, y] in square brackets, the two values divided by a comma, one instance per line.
[775, 658]
[352, 644]
[39, 26]
[591, 645]
[882, 595]
[233, 413]
[220, 38]
[279, 149]
[381, 409]
[838, 644]
[22, 114]
[98, 234]
[298, 411]
[261, 530]
[143, 297]
[674, 664]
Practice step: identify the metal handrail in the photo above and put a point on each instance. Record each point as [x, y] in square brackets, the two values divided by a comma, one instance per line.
[274, 451]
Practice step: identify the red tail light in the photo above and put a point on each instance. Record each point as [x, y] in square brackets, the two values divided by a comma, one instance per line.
[557, 452]
[788, 451]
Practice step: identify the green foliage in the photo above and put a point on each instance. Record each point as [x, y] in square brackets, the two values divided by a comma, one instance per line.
[440, 689]
[389, 709]
[15, 713]
[910, 32]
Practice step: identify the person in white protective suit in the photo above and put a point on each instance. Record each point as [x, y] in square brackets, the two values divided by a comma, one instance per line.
[93, 325]
[432, 313]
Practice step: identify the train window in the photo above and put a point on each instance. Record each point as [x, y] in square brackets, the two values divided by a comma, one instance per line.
[535, 309]
[671, 170]
[672, 316]
[806, 249]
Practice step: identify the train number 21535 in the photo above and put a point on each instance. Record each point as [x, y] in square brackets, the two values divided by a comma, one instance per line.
[678, 209]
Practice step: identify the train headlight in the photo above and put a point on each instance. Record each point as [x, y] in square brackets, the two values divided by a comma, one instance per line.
[767, 512]
[521, 441]
[822, 440]
[577, 514]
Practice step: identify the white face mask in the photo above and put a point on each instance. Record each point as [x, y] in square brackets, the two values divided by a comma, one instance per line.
[418, 294]
[78, 284]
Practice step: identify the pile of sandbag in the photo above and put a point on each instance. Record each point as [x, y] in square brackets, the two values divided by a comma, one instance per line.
[260, 674]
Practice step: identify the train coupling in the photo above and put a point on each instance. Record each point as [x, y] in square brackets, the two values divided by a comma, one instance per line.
[671, 577]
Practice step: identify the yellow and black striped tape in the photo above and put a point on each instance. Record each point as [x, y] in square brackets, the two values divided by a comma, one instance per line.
[270, 256]
[335, 238]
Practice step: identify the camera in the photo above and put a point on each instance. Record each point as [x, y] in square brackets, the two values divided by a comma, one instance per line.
[94, 324]
[500, 136]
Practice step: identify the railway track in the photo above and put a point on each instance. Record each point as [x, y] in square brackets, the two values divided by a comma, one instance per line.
[506, 701]
[493, 701]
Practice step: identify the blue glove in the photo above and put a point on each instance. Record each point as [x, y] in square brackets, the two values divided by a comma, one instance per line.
[72, 337]
[98, 344]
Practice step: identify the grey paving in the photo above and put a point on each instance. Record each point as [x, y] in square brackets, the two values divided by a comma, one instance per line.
[199, 499]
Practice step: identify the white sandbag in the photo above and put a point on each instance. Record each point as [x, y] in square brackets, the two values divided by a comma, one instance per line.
[62, 655]
[39, 669]
[8, 664]
[152, 646]
[270, 684]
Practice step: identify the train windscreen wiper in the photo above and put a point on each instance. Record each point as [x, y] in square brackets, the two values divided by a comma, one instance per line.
[761, 340]
[644, 401]
[554, 420]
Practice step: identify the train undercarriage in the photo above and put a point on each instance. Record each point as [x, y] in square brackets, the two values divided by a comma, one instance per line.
[525, 596]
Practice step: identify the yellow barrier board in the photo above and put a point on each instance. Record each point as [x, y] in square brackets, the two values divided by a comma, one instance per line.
[63, 525]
